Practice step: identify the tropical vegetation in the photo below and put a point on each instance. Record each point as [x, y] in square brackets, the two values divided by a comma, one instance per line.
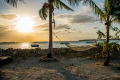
[109, 13]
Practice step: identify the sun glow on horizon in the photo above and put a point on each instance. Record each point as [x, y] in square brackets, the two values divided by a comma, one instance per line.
[25, 24]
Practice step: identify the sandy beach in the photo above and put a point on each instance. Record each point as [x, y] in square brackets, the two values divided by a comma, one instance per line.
[81, 68]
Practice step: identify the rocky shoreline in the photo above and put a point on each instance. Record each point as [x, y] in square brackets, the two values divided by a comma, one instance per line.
[39, 52]
[95, 52]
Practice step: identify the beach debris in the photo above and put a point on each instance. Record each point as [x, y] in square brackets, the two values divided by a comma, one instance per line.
[5, 60]
[48, 60]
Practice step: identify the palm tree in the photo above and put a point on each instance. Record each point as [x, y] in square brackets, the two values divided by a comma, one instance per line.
[13, 2]
[109, 14]
[48, 8]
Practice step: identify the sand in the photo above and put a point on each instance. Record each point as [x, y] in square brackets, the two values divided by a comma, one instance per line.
[65, 69]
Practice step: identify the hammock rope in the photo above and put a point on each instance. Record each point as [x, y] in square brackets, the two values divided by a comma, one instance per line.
[56, 36]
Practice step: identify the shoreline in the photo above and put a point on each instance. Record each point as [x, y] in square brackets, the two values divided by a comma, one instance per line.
[43, 45]
[95, 53]
[95, 39]
[42, 52]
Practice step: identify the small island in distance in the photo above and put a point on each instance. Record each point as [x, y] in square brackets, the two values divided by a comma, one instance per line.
[95, 39]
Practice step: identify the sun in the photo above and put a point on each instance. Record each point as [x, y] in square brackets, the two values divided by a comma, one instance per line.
[25, 24]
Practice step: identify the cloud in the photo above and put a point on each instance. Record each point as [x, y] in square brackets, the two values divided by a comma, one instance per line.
[76, 19]
[45, 29]
[45, 25]
[57, 27]
[101, 5]
[85, 10]
[61, 26]
[8, 16]
[3, 28]
[82, 16]
[82, 19]
[63, 16]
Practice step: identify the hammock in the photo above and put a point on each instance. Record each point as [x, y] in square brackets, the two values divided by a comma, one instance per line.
[80, 48]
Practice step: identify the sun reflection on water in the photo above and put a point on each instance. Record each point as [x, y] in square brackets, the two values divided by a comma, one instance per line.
[25, 46]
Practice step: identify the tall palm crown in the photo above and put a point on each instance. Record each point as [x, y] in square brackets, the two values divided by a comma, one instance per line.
[56, 4]
[110, 11]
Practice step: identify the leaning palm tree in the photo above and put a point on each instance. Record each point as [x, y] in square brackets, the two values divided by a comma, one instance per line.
[109, 14]
[48, 9]
[13, 2]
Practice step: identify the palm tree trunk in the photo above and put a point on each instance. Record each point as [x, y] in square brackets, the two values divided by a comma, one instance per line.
[107, 40]
[50, 48]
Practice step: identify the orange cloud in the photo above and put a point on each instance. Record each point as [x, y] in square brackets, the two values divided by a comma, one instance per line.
[8, 16]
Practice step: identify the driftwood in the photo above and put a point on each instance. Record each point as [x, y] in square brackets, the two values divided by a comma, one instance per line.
[5, 60]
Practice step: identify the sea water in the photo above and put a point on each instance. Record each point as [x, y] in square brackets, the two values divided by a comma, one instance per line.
[43, 45]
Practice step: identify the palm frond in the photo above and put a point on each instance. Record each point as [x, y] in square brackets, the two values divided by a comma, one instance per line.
[95, 8]
[74, 2]
[115, 29]
[44, 11]
[116, 34]
[112, 9]
[111, 37]
[107, 7]
[13, 2]
[100, 34]
[116, 20]
[60, 5]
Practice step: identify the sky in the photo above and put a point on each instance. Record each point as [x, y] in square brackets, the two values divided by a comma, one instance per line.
[23, 24]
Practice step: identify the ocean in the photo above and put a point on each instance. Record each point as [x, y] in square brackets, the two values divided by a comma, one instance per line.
[43, 45]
